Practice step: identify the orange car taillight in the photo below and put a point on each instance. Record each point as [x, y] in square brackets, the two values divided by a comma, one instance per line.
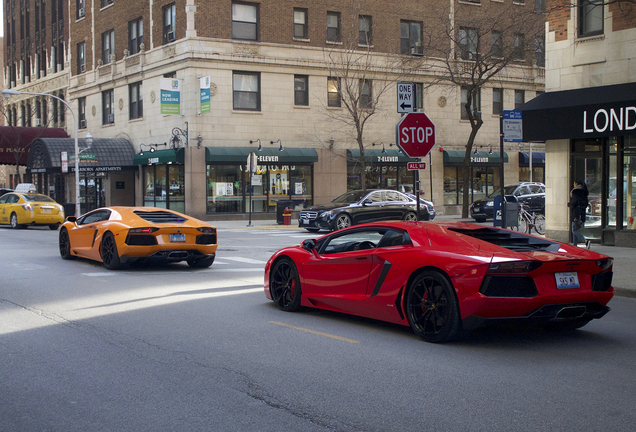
[142, 230]
[514, 267]
[207, 230]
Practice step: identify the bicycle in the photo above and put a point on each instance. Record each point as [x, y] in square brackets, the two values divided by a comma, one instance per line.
[529, 221]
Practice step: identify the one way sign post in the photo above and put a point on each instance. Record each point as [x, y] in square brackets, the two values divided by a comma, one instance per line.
[405, 98]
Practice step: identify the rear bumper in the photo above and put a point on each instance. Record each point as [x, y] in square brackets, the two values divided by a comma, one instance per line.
[167, 256]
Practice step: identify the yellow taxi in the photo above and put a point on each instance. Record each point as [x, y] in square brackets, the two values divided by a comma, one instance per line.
[23, 209]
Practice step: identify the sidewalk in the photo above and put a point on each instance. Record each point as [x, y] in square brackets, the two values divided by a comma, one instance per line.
[624, 279]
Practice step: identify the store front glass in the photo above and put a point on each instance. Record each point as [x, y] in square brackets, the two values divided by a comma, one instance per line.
[484, 180]
[383, 170]
[629, 176]
[164, 186]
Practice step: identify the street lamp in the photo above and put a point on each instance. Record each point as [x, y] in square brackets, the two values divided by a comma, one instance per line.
[7, 93]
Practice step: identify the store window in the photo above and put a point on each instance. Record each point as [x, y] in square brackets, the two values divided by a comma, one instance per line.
[224, 190]
[164, 186]
[380, 177]
[629, 188]
[484, 180]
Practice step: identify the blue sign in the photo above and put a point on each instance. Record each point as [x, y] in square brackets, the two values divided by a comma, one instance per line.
[512, 126]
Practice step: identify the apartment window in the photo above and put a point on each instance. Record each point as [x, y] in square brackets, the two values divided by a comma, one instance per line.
[333, 92]
[539, 51]
[468, 43]
[29, 114]
[60, 57]
[42, 63]
[300, 23]
[366, 94]
[364, 30]
[411, 37]
[135, 36]
[419, 96]
[519, 46]
[108, 107]
[497, 101]
[106, 2]
[497, 44]
[519, 98]
[136, 103]
[301, 90]
[81, 57]
[38, 112]
[246, 90]
[590, 17]
[169, 23]
[244, 21]
[81, 116]
[333, 26]
[108, 46]
[475, 104]
[80, 10]
[62, 108]
[539, 6]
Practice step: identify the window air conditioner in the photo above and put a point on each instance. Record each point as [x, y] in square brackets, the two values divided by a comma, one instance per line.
[417, 50]
[111, 118]
[82, 124]
[38, 122]
[82, 68]
[170, 36]
[80, 12]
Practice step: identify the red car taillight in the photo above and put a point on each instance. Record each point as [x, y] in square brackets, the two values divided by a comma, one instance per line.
[514, 267]
[142, 230]
[605, 263]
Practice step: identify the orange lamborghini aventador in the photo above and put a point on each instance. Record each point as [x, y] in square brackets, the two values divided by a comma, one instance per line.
[117, 236]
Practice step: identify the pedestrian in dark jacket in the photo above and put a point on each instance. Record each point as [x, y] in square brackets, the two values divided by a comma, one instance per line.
[578, 206]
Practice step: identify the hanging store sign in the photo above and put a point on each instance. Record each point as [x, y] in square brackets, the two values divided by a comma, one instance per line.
[170, 96]
[204, 85]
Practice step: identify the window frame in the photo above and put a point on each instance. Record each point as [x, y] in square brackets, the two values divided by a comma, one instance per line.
[412, 44]
[169, 18]
[330, 37]
[468, 42]
[520, 98]
[497, 106]
[331, 101]
[476, 102]
[81, 57]
[81, 112]
[108, 46]
[519, 47]
[302, 26]
[496, 44]
[237, 93]
[301, 96]
[236, 22]
[584, 9]
[108, 106]
[365, 99]
[136, 28]
[79, 4]
[365, 37]
[135, 101]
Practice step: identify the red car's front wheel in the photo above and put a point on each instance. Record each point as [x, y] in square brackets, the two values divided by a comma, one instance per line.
[284, 285]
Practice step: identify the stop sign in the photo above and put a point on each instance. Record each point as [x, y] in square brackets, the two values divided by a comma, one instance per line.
[415, 134]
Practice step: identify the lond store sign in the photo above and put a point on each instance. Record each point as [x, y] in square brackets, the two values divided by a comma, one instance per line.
[612, 120]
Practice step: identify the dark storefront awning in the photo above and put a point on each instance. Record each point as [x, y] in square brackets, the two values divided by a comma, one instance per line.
[265, 156]
[582, 113]
[14, 142]
[482, 157]
[104, 155]
[538, 158]
[376, 156]
[159, 157]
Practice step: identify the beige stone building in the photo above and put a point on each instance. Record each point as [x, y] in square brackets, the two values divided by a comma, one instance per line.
[259, 77]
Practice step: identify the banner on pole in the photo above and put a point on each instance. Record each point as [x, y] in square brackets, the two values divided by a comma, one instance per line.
[170, 96]
[204, 84]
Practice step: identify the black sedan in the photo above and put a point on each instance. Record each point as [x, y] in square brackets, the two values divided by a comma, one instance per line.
[530, 194]
[358, 207]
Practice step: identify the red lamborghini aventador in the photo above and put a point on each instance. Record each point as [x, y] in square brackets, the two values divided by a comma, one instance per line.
[442, 278]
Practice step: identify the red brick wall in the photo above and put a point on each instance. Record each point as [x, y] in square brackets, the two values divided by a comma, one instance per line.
[558, 14]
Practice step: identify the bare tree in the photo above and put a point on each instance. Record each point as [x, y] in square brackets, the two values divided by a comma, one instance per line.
[473, 48]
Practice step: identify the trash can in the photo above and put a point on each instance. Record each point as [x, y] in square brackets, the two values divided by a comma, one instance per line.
[281, 205]
[287, 213]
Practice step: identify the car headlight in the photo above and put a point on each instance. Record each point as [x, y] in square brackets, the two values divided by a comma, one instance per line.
[490, 203]
[325, 214]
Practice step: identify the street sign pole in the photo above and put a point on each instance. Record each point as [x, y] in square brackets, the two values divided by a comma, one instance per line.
[251, 165]
[501, 176]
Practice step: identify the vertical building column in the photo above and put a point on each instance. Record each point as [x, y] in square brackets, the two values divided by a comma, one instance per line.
[190, 11]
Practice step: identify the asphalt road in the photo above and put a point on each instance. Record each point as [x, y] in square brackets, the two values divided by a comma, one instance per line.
[175, 349]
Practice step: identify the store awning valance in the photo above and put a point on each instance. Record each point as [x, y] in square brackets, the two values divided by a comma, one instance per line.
[159, 157]
[14, 142]
[265, 156]
[538, 158]
[591, 112]
[482, 157]
[104, 154]
[377, 156]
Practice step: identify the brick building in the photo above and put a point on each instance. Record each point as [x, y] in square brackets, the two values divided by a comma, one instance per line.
[195, 86]
[587, 117]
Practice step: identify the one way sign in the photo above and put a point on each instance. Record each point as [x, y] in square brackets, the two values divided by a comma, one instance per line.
[405, 97]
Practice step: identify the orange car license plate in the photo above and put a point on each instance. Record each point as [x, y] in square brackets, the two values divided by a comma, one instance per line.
[177, 238]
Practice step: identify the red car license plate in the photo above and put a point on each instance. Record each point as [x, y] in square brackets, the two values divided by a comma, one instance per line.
[177, 238]
[566, 280]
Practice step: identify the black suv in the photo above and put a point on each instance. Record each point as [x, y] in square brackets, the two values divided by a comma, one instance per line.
[530, 194]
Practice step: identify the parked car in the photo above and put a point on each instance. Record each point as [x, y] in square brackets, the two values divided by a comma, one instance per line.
[24, 209]
[4, 191]
[442, 278]
[529, 193]
[117, 236]
[356, 207]
[430, 208]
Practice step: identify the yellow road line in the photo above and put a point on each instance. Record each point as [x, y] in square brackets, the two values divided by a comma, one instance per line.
[314, 332]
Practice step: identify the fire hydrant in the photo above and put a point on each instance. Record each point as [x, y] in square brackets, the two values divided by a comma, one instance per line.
[287, 212]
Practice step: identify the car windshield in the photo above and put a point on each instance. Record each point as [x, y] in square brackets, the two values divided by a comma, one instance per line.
[508, 190]
[37, 197]
[350, 197]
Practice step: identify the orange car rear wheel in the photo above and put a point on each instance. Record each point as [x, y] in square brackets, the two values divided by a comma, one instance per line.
[65, 245]
[110, 256]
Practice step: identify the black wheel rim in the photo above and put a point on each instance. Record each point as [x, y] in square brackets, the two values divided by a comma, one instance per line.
[108, 250]
[284, 284]
[429, 306]
[64, 244]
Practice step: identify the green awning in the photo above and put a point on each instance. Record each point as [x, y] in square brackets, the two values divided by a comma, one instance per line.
[377, 156]
[265, 156]
[159, 157]
[482, 157]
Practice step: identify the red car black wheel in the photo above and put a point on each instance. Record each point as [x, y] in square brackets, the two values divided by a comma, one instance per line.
[432, 308]
[285, 285]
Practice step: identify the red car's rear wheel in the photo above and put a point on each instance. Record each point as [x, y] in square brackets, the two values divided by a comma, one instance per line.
[284, 285]
[432, 308]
